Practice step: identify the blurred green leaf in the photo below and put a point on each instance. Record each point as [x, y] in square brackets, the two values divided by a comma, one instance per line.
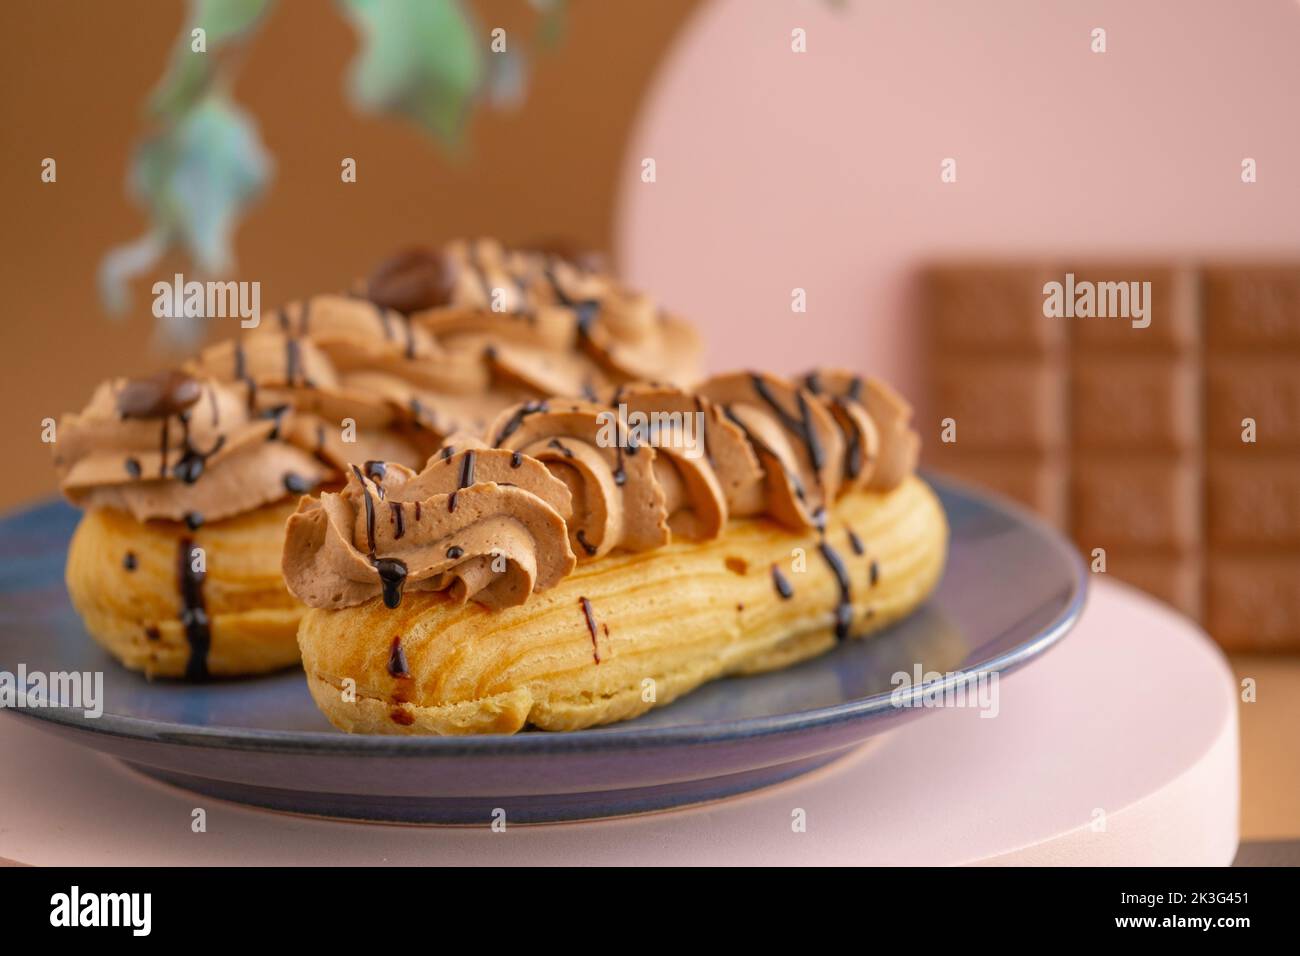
[553, 22]
[190, 75]
[422, 59]
[195, 177]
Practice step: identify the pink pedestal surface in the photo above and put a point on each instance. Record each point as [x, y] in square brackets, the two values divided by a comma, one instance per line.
[1117, 747]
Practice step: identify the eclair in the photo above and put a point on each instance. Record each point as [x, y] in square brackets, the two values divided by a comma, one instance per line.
[583, 561]
[185, 492]
[187, 478]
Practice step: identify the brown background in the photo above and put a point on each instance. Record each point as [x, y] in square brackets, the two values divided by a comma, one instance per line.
[77, 76]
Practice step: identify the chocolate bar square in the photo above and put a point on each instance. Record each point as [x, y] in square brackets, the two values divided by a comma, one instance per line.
[989, 309]
[1126, 402]
[1000, 403]
[1265, 388]
[1253, 501]
[1253, 602]
[1170, 308]
[1136, 502]
[1250, 308]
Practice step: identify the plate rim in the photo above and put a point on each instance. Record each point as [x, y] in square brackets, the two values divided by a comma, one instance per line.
[588, 741]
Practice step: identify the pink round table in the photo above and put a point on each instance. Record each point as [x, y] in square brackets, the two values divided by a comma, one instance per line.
[1117, 747]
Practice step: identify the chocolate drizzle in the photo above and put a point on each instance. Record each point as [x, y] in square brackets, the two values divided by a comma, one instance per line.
[783, 586]
[856, 543]
[193, 520]
[397, 666]
[517, 419]
[844, 609]
[194, 612]
[292, 360]
[370, 513]
[376, 471]
[801, 426]
[455, 552]
[399, 520]
[129, 562]
[133, 468]
[193, 462]
[591, 627]
[587, 546]
[466, 478]
[516, 459]
[392, 574]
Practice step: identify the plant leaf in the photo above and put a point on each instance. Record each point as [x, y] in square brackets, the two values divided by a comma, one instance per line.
[198, 175]
[190, 75]
[422, 59]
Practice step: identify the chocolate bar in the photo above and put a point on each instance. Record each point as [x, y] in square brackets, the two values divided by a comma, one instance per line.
[1154, 407]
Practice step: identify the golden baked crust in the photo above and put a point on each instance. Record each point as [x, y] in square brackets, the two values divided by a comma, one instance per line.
[136, 614]
[660, 624]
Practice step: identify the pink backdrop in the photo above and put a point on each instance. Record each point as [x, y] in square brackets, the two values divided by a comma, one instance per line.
[821, 170]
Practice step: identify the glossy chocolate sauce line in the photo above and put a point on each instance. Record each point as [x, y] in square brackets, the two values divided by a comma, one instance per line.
[392, 576]
[517, 419]
[397, 666]
[292, 361]
[801, 426]
[586, 309]
[399, 520]
[843, 610]
[761, 446]
[591, 627]
[703, 419]
[385, 321]
[193, 462]
[853, 456]
[370, 513]
[587, 546]
[852, 446]
[466, 478]
[782, 584]
[241, 374]
[194, 611]
[856, 543]
[164, 442]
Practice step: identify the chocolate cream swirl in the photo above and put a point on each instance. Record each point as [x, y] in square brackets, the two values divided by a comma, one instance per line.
[557, 478]
[482, 524]
[656, 460]
[540, 320]
[178, 447]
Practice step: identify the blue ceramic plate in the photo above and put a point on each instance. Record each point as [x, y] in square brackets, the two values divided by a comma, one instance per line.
[1012, 588]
